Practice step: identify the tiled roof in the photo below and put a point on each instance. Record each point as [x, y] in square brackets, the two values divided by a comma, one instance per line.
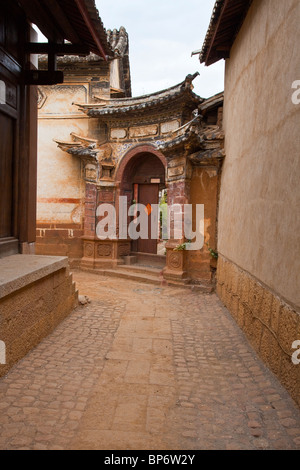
[125, 105]
[77, 21]
[117, 41]
[193, 133]
[97, 25]
[211, 102]
[226, 21]
[80, 149]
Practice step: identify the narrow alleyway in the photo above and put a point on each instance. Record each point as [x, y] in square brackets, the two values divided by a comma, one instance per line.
[145, 367]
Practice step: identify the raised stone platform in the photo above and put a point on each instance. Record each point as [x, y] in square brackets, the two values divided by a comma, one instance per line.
[18, 271]
[36, 294]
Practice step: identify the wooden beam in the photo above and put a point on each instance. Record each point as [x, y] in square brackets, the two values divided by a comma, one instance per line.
[52, 61]
[58, 49]
[36, 12]
[43, 77]
[87, 19]
[63, 21]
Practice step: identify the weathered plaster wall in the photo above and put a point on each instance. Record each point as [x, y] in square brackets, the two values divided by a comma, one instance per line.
[258, 227]
[259, 224]
[59, 174]
[204, 187]
[61, 189]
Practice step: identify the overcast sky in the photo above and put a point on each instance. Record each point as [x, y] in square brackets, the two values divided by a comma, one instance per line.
[162, 35]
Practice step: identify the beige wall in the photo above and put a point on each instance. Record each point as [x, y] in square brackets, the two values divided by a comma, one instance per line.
[59, 175]
[259, 223]
[204, 189]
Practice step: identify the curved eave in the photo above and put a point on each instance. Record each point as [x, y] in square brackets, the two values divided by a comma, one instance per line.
[128, 105]
[93, 111]
[78, 149]
[194, 137]
[179, 142]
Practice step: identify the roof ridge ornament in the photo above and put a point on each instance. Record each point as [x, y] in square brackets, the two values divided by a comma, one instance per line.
[187, 84]
[118, 40]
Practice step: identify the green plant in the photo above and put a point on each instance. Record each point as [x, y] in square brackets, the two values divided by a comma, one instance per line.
[182, 247]
[213, 253]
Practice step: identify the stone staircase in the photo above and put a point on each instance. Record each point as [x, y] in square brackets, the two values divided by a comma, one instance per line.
[139, 273]
[147, 268]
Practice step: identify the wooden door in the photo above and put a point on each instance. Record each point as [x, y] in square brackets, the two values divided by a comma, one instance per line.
[6, 175]
[148, 194]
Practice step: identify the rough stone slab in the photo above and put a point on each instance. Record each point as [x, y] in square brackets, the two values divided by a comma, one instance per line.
[18, 271]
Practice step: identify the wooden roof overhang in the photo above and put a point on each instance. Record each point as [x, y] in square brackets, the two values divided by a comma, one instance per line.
[225, 23]
[76, 21]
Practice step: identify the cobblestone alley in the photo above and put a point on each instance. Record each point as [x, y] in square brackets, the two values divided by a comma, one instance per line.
[145, 367]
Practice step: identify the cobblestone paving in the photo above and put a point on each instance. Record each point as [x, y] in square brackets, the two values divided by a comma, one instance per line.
[143, 367]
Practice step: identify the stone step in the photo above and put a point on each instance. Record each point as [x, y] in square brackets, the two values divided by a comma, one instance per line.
[140, 268]
[132, 275]
[151, 260]
[151, 276]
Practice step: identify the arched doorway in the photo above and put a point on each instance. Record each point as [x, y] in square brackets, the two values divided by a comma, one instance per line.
[142, 179]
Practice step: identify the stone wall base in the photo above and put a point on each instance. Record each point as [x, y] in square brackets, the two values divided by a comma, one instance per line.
[60, 240]
[107, 254]
[270, 324]
[36, 294]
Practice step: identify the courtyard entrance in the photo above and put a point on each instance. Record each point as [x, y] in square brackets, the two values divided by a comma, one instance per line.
[143, 182]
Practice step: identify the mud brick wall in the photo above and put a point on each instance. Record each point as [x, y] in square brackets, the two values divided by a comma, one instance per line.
[29, 314]
[60, 240]
[270, 324]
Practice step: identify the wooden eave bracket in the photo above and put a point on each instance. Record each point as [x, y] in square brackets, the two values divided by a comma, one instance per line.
[50, 76]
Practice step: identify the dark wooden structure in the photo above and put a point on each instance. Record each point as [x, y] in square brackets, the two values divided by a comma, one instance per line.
[74, 20]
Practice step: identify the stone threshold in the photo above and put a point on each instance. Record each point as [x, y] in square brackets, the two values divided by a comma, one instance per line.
[18, 271]
[149, 275]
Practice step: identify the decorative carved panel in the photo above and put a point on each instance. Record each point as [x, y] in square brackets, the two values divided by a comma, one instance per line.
[143, 131]
[124, 250]
[177, 171]
[90, 172]
[169, 126]
[89, 250]
[41, 97]
[104, 250]
[174, 260]
[118, 133]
